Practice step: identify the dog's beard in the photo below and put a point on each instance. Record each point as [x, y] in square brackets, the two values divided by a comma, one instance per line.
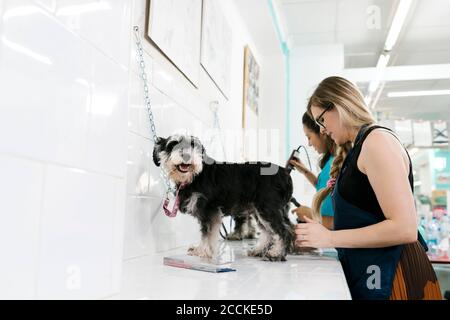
[180, 177]
[179, 171]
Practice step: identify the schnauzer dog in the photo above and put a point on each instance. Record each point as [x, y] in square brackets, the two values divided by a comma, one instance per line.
[207, 189]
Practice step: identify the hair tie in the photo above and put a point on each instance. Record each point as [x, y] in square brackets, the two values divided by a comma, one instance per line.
[331, 182]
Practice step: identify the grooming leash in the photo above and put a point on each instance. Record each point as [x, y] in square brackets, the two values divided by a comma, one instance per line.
[176, 206]
[143, 75]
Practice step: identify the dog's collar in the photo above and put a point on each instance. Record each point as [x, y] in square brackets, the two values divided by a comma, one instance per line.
[173, 213]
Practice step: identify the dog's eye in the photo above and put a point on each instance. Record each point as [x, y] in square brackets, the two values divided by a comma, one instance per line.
[171, 145]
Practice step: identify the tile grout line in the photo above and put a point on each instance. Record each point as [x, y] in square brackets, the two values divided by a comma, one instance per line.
[57, 164]
[79, 36]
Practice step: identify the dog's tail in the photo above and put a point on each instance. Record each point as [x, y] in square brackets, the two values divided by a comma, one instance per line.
[295, 202]
[315, 216]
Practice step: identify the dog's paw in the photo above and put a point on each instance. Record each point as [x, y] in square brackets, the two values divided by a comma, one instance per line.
[192, 251]
[268, 257]
[200, 252]
[255, 253]
[235, 236]
[274, 255]
[205, 254]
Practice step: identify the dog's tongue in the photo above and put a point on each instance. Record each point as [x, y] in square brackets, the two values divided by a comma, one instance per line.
[184, 167]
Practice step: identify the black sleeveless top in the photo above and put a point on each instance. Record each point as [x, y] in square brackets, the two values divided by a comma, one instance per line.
[354, 185]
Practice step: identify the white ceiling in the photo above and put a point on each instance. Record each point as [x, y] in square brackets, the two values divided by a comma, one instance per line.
[425, 108]
[260, 25]
[425, 39]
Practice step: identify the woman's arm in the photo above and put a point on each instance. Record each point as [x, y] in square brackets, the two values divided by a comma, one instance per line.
[385, 163]
[311, 177]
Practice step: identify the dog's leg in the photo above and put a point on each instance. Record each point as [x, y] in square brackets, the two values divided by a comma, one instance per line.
[250, 231]
[210, 228]
[290, 230]
[263, 244]
[238, 231]
[282, 233]
[264, 240]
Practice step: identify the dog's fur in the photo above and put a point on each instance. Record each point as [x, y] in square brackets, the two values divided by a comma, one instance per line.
[244, 228]
[212, 189]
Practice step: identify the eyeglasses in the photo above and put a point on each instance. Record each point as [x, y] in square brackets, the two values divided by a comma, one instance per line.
[320, 120]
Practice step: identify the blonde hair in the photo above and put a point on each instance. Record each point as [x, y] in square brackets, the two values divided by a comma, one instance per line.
[353, 112]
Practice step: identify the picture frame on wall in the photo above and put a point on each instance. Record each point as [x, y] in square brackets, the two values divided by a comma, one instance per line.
[173, 27]
[217, 41]
[440, 133]
[251, 87]
[250, 105]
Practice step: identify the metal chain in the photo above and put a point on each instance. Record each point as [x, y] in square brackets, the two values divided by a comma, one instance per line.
[147, 102]
[217, 130]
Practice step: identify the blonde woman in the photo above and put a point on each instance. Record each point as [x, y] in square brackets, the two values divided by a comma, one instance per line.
[375, 225]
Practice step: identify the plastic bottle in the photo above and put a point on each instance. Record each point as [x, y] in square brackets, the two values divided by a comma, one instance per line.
[445, 236]
[433, 237]
[423, 222]
[445, 226]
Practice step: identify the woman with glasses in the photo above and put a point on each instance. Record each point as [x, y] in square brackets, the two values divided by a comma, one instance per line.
[326, 147]
[375, 222]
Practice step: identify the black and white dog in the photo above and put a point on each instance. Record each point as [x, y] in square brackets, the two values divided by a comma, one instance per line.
[208, 189]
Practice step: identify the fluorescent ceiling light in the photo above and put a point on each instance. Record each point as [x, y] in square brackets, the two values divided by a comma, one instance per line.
[394, 31]
[397, 94]
[397, 24]
[368, 100]
[381, 65]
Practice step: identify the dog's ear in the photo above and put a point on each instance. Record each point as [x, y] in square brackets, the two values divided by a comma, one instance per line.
[197, 144]
[159, 145]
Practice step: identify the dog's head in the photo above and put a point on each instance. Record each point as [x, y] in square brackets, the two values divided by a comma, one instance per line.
[181, 156]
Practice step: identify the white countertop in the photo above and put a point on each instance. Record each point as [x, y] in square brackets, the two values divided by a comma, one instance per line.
[306, 276]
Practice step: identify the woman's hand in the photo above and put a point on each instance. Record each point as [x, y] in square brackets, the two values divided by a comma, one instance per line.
[301, 212]
[299, 165]
[312, 234]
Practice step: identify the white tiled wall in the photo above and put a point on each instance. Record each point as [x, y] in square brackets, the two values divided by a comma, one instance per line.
[21, 191]
[79, 190]
[63, 151]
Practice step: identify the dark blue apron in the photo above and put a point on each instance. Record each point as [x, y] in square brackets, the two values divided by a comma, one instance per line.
[357, 262]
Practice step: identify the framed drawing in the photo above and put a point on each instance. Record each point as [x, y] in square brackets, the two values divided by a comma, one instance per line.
[422, 134]
[251, 86]
[174, 28]
[216, 45]
[250, 106]
[440, 133]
